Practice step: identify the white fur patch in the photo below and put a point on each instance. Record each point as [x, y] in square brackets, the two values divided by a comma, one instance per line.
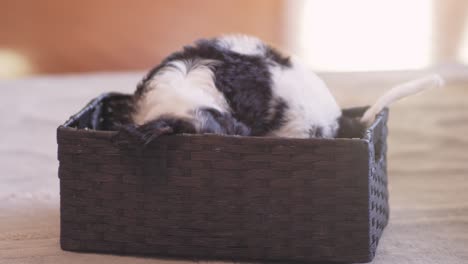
[242, 44]
[180, 88]
[310, 103]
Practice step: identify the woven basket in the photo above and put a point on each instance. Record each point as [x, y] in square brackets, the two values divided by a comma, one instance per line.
[220, 197]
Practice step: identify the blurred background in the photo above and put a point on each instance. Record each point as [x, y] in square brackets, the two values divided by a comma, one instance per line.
[360, 48]
[56, 36]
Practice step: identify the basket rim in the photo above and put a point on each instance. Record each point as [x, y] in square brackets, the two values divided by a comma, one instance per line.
[94, 102]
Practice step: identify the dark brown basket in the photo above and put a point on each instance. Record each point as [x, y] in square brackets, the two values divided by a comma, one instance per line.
[220, 197]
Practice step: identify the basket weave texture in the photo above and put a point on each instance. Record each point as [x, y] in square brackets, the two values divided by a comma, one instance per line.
[220, 197]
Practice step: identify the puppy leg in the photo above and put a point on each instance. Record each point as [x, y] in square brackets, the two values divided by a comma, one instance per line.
[153, 129]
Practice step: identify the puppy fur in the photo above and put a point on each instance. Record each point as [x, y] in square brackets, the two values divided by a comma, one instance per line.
[233, 85]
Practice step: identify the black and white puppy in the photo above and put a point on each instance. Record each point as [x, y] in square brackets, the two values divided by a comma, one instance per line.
[238, 85]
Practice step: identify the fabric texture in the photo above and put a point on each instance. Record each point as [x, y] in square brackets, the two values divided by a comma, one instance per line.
[427, 159]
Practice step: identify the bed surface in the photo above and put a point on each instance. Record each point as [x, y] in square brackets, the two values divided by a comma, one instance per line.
[428, 165]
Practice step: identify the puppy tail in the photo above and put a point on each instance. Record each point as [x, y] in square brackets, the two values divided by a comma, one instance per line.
[401, 91]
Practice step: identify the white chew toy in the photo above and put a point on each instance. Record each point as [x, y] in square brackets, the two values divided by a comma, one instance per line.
[401, 91]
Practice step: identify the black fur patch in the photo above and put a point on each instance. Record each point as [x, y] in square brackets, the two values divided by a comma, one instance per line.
[278, 118]
[221, 123]
[151, 130]
[142, 86]
[244, 80]
[350, 127]
[316, 132]
[277, 57]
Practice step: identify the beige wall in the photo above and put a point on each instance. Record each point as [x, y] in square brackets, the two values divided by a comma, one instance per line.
[57, 36]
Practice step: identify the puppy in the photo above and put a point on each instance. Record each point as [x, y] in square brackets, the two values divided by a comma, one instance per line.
[238, 85]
